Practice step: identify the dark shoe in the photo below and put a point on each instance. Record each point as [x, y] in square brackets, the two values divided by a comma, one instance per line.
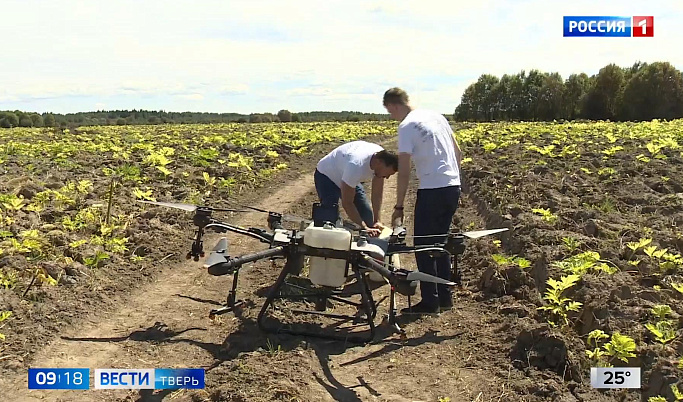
[421, 308]
[445, 304]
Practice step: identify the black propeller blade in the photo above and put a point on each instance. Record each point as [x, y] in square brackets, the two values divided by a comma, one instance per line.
[285, 217]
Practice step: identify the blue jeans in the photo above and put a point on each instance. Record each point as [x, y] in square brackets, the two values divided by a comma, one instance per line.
[434, 210]
[329, 194]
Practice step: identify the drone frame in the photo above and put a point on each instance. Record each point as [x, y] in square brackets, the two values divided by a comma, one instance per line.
[288, 244]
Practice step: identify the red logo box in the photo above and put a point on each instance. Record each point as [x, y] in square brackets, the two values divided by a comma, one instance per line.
[643, 26]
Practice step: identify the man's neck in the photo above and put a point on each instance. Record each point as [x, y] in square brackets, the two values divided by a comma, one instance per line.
[406, 110]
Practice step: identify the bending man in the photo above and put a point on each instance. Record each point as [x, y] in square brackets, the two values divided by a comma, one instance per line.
[340, 173]
[426, 138]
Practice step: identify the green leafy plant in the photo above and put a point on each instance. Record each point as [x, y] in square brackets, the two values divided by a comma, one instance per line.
[571, 243]
[3, 316]
[580, 264]
[12, 203]
[96, 260]
[558, 305]
[621, 347]
[547, 215]
[664, 330]
[8, 280]
[596, 354]
[678, 395]
[503, 260]
[144, 195]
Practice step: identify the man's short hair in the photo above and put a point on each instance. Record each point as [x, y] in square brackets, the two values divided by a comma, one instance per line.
[395, 96]
[390, 159]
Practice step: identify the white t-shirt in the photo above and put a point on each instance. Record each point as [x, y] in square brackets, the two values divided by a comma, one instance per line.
[428, 138]
[349, 163]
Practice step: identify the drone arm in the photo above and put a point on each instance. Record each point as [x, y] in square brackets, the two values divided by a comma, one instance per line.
[239, 230]
[228, 267]
[374, 265]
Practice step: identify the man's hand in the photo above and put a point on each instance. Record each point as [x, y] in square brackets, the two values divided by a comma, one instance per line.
[372, 232]
[378, 225]
[398, 213]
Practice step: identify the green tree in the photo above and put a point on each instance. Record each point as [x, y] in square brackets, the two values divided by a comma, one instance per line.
[550, 98]
[602, 101]
[654, 92]
[37, 120]
[25, 121]
[485, 95]
[531, 99]
[575, 89]
[49, 120]
[284, 115]
[8, 119]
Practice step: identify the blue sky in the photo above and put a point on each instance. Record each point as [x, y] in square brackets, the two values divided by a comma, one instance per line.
[262, 56]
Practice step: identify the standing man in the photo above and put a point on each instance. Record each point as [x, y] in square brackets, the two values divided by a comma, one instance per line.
[340, 173]
[426, 138]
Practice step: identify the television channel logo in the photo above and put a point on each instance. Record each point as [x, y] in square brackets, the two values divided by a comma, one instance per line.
[609, 26]
[182, 378]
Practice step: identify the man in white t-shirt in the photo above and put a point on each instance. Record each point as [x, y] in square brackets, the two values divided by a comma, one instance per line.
[426, 138]
[340, 174]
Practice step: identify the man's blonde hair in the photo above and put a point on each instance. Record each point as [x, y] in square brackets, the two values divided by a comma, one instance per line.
[395, 96]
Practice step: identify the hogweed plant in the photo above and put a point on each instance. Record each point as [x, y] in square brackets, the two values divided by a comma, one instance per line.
[558, 305]
[546, 215]
[620, 347]
[663, 329]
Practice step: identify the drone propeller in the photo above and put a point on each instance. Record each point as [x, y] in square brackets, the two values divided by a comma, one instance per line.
[402, 274]
[481, 233]
[285, 217]
[190, 207]
[218, 254]
[470, 235]
[421, 276]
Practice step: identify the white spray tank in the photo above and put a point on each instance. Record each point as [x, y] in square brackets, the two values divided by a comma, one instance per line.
[327, 271]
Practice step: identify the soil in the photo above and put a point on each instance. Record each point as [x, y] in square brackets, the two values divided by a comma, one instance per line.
[493, 346]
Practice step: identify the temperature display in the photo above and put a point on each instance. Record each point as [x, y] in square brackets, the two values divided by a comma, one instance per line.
[615, 377]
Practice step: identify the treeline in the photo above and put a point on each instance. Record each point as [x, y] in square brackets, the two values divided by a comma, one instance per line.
[18, 118]
[640, 92]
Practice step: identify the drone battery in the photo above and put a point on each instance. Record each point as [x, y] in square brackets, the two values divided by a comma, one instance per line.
[322, 214]
[327, 271]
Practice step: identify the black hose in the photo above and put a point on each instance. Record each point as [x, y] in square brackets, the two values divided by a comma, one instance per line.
[228, 267]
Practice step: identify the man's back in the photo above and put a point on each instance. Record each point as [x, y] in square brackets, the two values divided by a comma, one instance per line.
[428, 137]
[349, 162]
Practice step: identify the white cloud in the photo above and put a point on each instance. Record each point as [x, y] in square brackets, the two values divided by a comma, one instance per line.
[193, 97]
[312, 51]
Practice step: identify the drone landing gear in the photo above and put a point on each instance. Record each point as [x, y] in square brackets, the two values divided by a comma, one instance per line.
[391, 317]
[366, 310]
[232, 305]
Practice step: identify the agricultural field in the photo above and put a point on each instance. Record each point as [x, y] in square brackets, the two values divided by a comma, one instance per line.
[72, 235]
[592, 265]
[590, 273]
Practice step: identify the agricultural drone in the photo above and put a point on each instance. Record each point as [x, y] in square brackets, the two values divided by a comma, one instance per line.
[338, 252]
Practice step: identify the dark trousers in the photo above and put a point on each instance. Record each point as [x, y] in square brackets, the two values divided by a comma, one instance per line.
[329, 194]
[434, 210]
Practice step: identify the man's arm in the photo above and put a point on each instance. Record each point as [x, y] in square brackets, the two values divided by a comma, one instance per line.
[403, 178]
[458, 153]
[377, 191]
[348, 194]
